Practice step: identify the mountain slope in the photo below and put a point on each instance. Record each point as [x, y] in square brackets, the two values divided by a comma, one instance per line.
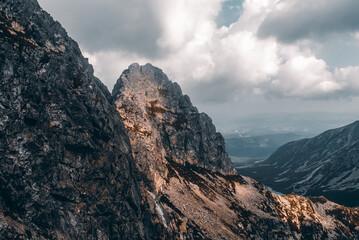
[66, 171]
[196, 197]
[324, 165]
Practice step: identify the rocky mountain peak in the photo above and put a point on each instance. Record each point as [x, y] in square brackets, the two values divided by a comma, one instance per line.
[159, 86]
[156, 113]
[66, 170]
[69, 169]
[190, 183]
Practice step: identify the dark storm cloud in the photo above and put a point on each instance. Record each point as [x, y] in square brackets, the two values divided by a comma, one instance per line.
[109, 24]
[311, 19]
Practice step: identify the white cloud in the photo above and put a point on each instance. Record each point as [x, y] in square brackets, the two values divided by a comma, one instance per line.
[348, 77]
[302, 76]
[184, 21]
[108, 65]
[212, 64]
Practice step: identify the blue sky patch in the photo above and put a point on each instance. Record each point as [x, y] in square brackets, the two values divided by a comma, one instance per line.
[231, 10]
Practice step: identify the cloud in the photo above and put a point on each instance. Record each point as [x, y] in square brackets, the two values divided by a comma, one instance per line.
[186, 21]
[126, 25]
[293, 20]
[108, 65]
[259, 54]
[306, 77]
[348, 78]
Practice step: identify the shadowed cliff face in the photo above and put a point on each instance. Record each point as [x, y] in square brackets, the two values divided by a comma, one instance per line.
[66, 171]
[191, 185]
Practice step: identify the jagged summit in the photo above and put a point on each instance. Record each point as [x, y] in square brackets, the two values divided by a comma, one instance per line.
[70, 170]
[170, 92]
[66, 170]
[189, 180]
[154, 110]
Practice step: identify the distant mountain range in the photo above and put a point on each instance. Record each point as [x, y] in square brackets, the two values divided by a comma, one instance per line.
[245, 150]
[306, 124]
[327, 164]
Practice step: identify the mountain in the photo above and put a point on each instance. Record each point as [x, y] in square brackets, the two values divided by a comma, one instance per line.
[307, 124]
[66, 171]
[190, 181]
[79, 163]
[158, 114]
[324, 165]
[245, 150]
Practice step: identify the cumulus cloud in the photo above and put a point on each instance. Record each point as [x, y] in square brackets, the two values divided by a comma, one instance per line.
[348, 78]
[302, 76]
[256, 55]
[292, 20]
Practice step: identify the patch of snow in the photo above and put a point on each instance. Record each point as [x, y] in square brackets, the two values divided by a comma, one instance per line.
[284, 172]
[309, 176]
[159, 209]
[281, 180]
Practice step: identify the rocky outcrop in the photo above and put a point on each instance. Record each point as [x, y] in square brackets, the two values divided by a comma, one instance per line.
[324, 165]
[163, 124]
[195, 197]
[66, 171]
[70, 168]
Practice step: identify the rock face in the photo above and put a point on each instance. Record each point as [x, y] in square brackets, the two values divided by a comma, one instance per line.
[196, 197]
[70, 170]
[66, 171]
[324, 165]
[163, 124]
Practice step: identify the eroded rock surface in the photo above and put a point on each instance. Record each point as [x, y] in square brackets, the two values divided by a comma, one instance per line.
[163, 123]
[191, 185]
[66, 170]
[70, 170]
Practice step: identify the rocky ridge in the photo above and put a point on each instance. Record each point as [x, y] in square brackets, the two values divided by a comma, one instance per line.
[324, 165]
[199, 199]
[66, 170]
[70, 170]
[163, 124]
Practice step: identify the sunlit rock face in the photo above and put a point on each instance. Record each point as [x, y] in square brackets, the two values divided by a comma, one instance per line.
[189, 181]
[164, 125]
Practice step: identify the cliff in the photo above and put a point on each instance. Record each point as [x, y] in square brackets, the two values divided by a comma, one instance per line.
[78, 163]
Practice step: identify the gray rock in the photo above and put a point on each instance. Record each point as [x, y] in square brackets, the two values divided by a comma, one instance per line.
[66, 171]
[189, 181]
[155, 110]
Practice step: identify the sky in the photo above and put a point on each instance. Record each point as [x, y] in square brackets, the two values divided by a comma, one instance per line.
[287, 65]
